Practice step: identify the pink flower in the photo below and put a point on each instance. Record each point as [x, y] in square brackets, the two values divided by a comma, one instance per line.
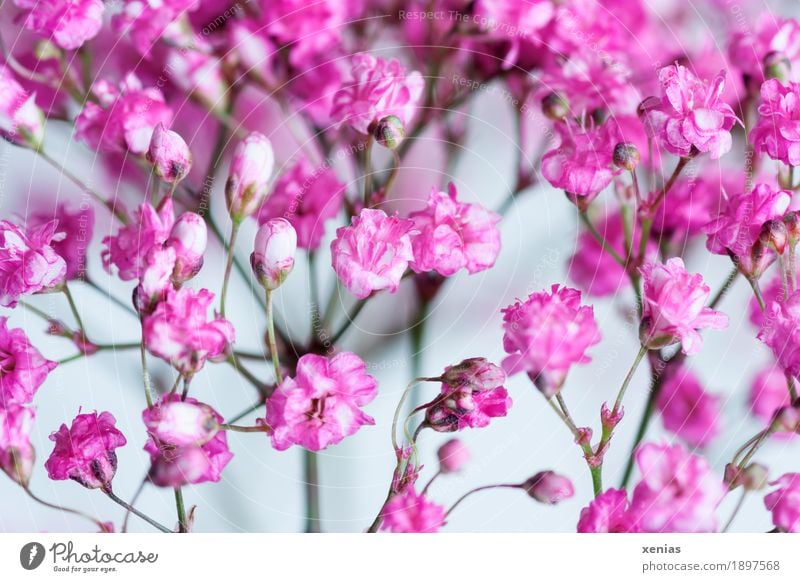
[146, 21]
[378, 88]
[546, 334]
[781, 332]
[474, 373]
[453, 455]
[189, 237]
[179, 332]
[184, 445]
[69, 23]
[124, 119]
[127, 249]
[609, 512]
[248, 176]
[16, 452]
[778, 129]
[155, 279]
[21, 120]
[736, 230]
[273, 256]
[373, 253]
[673, 308]
[582, 165]
[28, 262]
[749, 47]
[307, 197]
[169, 155]
[687, 410]
[784, 503]
[514, 22]
[677, 493]
[321, 405]
[690, 205]
[85, 451]
[593, 268]
[411, 512]
[453, 235]
[549, 487]
[22, 368]
[769, 393]
[73, 235]
[199, 74]
[691, 115]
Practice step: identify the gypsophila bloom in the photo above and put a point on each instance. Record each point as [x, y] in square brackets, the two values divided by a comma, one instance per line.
[411, 512]
[750, 48]
[674, 307]
[178, 331]
[16, 452]
[777, 132]
[677, 492]
[549, 487]
[128, 248]
[453, 455]
[21, 120]
[454, 235]
[28, 262]
[84, 452]
[321, 405]
[784, 503]
[546, 334]
[22, 368]
[768, 393]
[188, 238]
[691, 115]
[248, 176]
[273, 256]
[307, 197]
[377, 88]
[687, 410]
[180, 423]
[609, 512]
[736, 230]
[73, 235]
[373, 252]
[123, 118]
[169, 155]
[781, 332]
[69, 23]
[155, 279]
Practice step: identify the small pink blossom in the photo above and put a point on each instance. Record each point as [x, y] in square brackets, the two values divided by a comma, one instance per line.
[516, 23]
[674, 307]
[69, 23]
[272, 258]
[549, 487]
[124, 117]
[84, 452]
[189, 237]
[181, 422]
[373, 252]
[178, 331]
[169, 155]
[474, 373]
[307, 197]
[691, 204]
[687, 410]
[609, 512]
[691, 115]
[155, 279]
[21, 120]
[22, 368]
[199, 74]
[28, 262]
[377, 89]
[780, 330]
[769, 393]
[411, 512]
[16, 452]
[546, 334]
[128, 248]
[146, 21]
[777, 132]
[771, 34]
[248, 176]
[321, 405]
[677, 492]
[784, 503]
[453, 455]
[454, 235]
[73, 234]
[736, 230]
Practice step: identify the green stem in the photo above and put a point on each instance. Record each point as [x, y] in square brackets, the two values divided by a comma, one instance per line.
[479, 489]
[148, 391]
[368, 172]
[74, 308]
[237, 428]
[739, 505]
[250, 409]
[757, 292]
[628, 378]
[351, 318]
[108, 295]
[311, 475]
[228, 266]
[273, 344]
[601, 240]
[135, 511]
[725, 287]
[181, 510]
[41, 501]
[668, 186]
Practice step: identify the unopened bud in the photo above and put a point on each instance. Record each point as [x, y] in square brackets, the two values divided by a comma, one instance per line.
[189, 238]
[754, 477]
[453, 455]
[169, 155]
[273, 256]
[475, 374]
[626, 156]
[787, 419]
[777, 66]
[248, 177]
[648, 105]
[774, 234]
[389, 132]
[549, 487]
[555, 106]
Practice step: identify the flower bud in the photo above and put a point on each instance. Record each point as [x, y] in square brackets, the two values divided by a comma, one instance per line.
[787, 419]
[610, 418]
[792, 221]
[16, 452]
[626, 156]
[777, 66]
[189, 237]
[169, 155]
[248, 177]
[273, 256]
[181, 423]
[474, 373]
[21, 120]
[774, 234]
[555, 106]
[549, 487]
[649, 104]
[754, 477]
[389, 132]
[453, 455]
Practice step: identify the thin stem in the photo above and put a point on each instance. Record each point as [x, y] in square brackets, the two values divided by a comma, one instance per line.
[228, 266]
[248, 375]
[731, 278]
[311, 475]
[41, 501]
[108, 295]
[757, 445]
[74, 308]
[243, 413]
[600, 239]
[273, 344]
[134, 499]
[757, 292]
[403, 397]
[479, 489]
[237, 428]
[36, 311]
[428, 485]
[368, 172]
[148, 391]
[628, 378]
[668, 186]
[351, 317]
[181, 510]
[135, 511]
[739, 505]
